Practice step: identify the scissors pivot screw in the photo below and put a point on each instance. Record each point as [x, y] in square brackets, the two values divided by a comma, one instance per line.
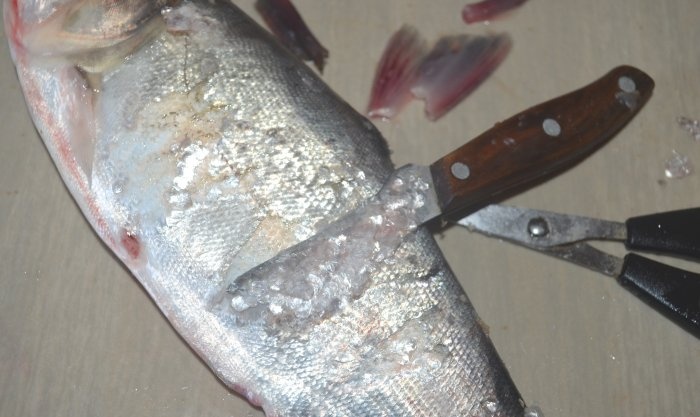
[538, 227]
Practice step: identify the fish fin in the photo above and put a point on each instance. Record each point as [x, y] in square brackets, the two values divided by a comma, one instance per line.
[286, 23]
[396, 72]
[455, 67]
[488, 9]
[78, 101]
[92, 34]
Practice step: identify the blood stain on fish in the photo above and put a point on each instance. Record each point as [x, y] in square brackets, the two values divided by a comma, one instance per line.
[130, 243]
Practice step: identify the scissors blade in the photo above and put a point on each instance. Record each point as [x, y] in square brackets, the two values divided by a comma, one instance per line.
[555, 234]
[540, 229]
[585, 255]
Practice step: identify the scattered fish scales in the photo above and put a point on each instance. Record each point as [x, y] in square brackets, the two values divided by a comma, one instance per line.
[678, 166]
[691, 126]
[255, 155]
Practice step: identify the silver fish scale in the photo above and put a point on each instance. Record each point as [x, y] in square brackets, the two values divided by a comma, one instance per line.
[215, 150]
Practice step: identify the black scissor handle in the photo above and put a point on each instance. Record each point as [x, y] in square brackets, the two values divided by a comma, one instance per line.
[673, 292]
[674, 233]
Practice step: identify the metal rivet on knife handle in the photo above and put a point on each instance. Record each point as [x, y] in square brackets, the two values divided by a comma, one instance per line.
[460, 170]
[626, 84]
[551, 127]
[582, 121]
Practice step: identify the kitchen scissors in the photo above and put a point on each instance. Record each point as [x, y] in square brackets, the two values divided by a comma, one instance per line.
[672, 291]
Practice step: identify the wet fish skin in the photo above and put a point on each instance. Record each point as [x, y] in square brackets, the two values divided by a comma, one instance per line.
[207, 147]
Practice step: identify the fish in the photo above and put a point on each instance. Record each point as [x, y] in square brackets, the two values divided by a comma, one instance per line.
[196, 146]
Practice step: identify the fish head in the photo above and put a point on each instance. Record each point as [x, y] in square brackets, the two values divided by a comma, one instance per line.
[93, 34]
[61, 49]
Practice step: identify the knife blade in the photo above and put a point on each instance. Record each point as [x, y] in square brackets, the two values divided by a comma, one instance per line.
[515, 154]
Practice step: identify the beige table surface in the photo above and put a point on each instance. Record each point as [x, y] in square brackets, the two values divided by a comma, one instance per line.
[79, 337]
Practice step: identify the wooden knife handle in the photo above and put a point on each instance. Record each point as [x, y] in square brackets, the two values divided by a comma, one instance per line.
[538, 143]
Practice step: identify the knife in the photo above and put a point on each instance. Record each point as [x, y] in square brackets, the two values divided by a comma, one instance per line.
[515, 154]
[536, 144]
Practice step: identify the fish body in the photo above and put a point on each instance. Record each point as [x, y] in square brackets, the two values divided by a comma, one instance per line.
[197, 147]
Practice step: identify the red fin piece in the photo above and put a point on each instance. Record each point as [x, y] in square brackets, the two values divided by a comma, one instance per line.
[396, 72]
[442, 77]
[488, 9]
[455, 67]
[286, 23]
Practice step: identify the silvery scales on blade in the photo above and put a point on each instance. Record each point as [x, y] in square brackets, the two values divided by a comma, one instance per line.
[198, 149]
